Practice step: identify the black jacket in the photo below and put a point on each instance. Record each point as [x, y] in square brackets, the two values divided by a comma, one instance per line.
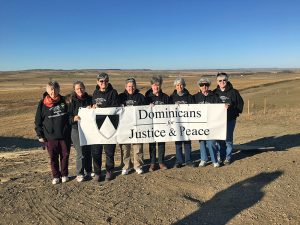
[232, 97]
[135, 99]
[75, 105]
[186, 98]
[52, 123]
[200, 98]
[161, 99]
[108, 98]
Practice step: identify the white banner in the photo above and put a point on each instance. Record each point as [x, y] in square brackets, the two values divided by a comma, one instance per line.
[145, 124]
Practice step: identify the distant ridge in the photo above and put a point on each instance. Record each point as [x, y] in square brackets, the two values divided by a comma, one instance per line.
[173, 70]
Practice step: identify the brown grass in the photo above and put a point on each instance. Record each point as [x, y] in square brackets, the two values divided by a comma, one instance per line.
[21, 91]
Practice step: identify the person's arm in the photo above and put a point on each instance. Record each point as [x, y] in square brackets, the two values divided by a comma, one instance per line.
[190, 99]
[144, 100]
[39, 123]
[114, 99]
[171, 100]
[71, 113]
[239, 102]
[94, 103]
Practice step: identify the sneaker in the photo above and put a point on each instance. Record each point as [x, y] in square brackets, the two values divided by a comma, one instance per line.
[190, 164]
[125, 172]
[152, 168]
[227, 161]
[216, 165]
[162, 166]
[64, 179]
[80, 178]
[97, 178]
[109, 176]
[55, 181]
[139, 170]
[202, 163]
[88, 176]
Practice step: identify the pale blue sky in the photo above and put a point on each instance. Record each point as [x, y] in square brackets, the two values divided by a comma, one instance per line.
[149, 34]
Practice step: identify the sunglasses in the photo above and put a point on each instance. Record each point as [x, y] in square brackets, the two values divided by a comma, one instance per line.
[222, 81]
[103, 81]
[204, 84]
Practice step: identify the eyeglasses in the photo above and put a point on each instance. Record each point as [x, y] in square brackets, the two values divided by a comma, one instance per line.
[222, 81]
[204, 84]
[103, 81]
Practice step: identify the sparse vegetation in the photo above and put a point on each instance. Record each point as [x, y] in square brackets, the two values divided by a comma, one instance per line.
[258, 188]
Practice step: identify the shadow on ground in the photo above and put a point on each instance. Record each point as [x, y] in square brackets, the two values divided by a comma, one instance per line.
[281, 143]
[17, 143]
[226, 204]
[284, 142]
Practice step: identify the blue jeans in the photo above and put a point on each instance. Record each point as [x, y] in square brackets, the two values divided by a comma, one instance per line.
[187, 152]
[209, 145]
[161, 152]
[226, 147]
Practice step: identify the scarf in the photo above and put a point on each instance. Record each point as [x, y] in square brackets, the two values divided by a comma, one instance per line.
[49, 102]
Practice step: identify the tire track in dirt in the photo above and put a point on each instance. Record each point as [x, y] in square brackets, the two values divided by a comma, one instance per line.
[40, 209]
[112, 213]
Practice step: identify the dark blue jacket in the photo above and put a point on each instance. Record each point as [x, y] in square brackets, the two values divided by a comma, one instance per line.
[161, 99]
[186, 98]
[107, 98]
[77, 103]
[232, 97]
[200, 98]
[136, 98]
[52, 123]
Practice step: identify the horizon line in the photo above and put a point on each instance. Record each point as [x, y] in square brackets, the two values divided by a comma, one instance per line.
[143, 69]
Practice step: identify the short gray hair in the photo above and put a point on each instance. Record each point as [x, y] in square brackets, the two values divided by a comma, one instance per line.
[102, 76]
[222, 74]
[54, 84]
[156, 80]
[130, 80]
[179, 80]
[204, 80]
[78, 82]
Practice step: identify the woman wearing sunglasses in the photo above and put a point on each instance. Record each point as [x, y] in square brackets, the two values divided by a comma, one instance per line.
[206, 96]
[234, 104]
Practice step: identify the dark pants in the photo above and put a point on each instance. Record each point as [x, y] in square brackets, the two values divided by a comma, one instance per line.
[187, 151]
[97, 157]
[59, 150]
[83, 155]
[161, 152]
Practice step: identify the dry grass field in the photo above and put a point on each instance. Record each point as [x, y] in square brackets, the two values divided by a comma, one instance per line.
[259, 187]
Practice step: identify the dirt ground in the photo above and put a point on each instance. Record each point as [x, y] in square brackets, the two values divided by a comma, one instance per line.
[259, 187]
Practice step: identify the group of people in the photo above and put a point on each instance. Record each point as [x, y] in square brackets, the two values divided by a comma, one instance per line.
[57, 117]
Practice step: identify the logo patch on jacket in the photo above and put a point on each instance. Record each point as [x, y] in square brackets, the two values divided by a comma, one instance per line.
[57, 110]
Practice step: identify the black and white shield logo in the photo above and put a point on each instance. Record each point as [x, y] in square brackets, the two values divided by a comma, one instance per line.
[107, 125]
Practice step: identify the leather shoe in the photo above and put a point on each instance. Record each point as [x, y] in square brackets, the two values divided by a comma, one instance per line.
[152, 167]
[178, 165]
[109, 176]
[97, 178]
